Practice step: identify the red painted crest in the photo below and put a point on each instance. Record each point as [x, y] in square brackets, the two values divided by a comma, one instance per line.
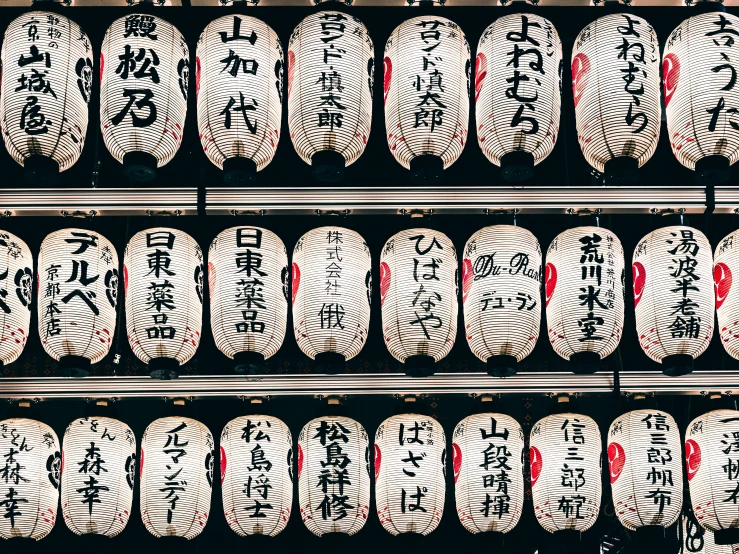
[378, 461]
[670, 76]
[102, 65]
[223, 464]
[387, 66]
[692, 458]
[722, 282]
[580, 70]
[456, 460]
[550, 281]
[295, 281]
[536, 463]
[481, 71]
[197, 76]
[467, 276]
[384, 281]
[616, 460]
[211, 279]
[300, 461]
[141, 464]
[125, 280]
[290, 71]
[639, 280]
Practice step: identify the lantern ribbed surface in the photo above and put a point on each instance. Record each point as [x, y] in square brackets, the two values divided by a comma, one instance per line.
[163, 282]
[176, 465]
[46, 86]
[565, 458]
[410, 465]
[584, 282]
[78, 292]
[418, 290]
[615, 85]
[334, 475]
[29, 490]
[673, 292]
[238, 83]
[501, 289]
[248, 279]
[488, 455]
[645, 468]
[518, 85]
[426, 89]
[99, 456]
[257, 475]
[330, 73]
[16, 278]
[726, 265]
[143, 91]
[698, 67]
[331, 289]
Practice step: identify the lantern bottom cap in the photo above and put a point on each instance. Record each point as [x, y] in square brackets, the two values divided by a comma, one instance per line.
[706, 6]
[650, 538]
[140, 166]
[419, 366]
[584, 363]
[164, 368]
[239, 171]
[331, 363]
[249, 363]
[328, 166]
[517, 166]
[712, 170]
[502, 366]
[621, 171]
[726, 536]
[74, 366]
[40, 171]
[677, 364]
[427, 169]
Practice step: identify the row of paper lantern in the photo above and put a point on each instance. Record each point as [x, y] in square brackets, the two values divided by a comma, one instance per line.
[178, 462]
[239, 70]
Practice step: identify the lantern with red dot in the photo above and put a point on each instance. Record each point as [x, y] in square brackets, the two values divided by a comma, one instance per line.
[726, 265]
[16, 277]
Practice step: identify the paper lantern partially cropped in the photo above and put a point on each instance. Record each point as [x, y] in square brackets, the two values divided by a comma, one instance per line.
[501, 289]
[418, 291]
[726, 265]
[144, 75]
[16, 290]
[584, 279]
[163, 281]
[410, 464]
[331, 290]
[712, 548]
[29, 484]
[99, 456]
[257, 475]
[696, 540]
[46, 86]
[565, 457]
[330, 74]
[427, 88]
[334, 475]
[488, 455]
[699, 70]
[78, 293]
[238, 83]
[673, 296]
[248, 280]
[177, 460]
[518, 88]
[615, 86]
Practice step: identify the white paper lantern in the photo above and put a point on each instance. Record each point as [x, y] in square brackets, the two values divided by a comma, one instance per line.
[518, 86]
[331, 291]
[615, 85]
[334, 475]
[177, 460]
[78, 293]
[29, 479]
[727, 296]
[99, 456]
[584, 280]
[488, 455]
[418, 289]
[16, 289]
[565, 457]
[144, 76]
[248, 280]
[46, 86]
[673, 296]
[501, 290]
[238, 84]
[426, 90]
[330, 74]
[163, 281]
[257, 475]
[699, 70]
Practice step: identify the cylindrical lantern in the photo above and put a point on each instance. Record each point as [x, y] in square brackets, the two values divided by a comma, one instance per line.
[163, 284]
[426, 91]
[673, 296]
[488, 455]
[334, 475]
[248, 280]
[16, 289]
[176, 466]
[615, 86]
[29, 484]
[518, 86]
[78, 293]
[46, 86]
[418, 291]
[331, 290]
[330, 74]
[726, 265]
[699, 71]
[501, 289]
[238, 84]
[99, 456]
[257, 475]
[144, 76]
[584, 280]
